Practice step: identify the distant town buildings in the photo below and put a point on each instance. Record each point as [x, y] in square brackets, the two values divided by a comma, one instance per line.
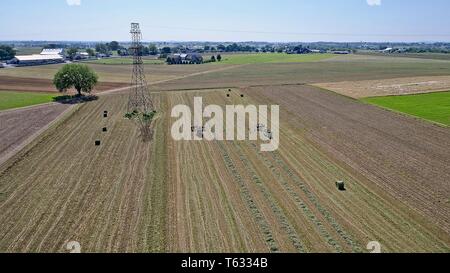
[341, 52]
[81, 56]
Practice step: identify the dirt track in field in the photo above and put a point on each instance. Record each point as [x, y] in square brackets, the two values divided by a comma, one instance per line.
[388, 87]
[18, 127]
[45, 85]
[405, 157]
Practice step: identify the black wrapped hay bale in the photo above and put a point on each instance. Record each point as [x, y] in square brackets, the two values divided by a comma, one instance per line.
[340, 185]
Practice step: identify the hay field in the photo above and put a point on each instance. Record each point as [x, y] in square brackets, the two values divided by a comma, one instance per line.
[338, 69]
[408, 158]
[167, 196]
[388, 87]
[111, 73]
[127, 196]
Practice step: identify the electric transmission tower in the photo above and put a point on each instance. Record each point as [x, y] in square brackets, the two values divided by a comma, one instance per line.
[140, 105]
[140, 98]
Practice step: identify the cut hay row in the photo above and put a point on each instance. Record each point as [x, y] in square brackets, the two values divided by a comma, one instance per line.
[205, 202]
[298, 200]
[259, 218]
[311, 197]
[278, 211]
[364, 210]
[376, 143]
[325, 213]
[153, 231]
[367, 213]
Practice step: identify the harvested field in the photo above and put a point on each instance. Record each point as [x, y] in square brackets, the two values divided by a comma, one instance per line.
[17, 127]
[430, 56]
[112, 73]
[387, 87]
[167, 196]
[405, 157]
[127, 196]
[124, 61]
[62, 187]
[286, 201]
[46, 85]
[341, 68]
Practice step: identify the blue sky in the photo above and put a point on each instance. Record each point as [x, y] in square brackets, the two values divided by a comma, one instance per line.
[232, 20]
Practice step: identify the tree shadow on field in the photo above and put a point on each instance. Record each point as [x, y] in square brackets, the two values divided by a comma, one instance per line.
[76, 99]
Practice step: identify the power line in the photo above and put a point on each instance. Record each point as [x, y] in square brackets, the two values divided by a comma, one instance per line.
[300, 33]
[337, 34]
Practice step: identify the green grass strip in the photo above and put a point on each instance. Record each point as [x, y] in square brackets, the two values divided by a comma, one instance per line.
[433, 107]
[13, 99]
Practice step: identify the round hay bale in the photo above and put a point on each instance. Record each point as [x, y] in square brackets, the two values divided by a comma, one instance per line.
[97, 143]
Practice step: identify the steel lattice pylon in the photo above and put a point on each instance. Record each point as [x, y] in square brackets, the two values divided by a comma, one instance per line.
[139, 100]
[140, 105]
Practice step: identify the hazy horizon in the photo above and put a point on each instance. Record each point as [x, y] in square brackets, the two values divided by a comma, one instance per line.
[218, 42]
[213, 21]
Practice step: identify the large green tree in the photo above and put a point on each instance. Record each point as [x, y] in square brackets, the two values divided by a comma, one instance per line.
[114, 45]
[166, 50]
[79, 76]
[102, 48]
[72, 52]
[91, 52]
[6, 52]
[153, 49]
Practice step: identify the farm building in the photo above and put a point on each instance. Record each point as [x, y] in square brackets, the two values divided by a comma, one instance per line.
[47, 56]
[189, 58]
[36, 60]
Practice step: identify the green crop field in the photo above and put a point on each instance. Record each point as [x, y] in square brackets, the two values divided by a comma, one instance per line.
[272, 58]
[433, 106]
[12, 99]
